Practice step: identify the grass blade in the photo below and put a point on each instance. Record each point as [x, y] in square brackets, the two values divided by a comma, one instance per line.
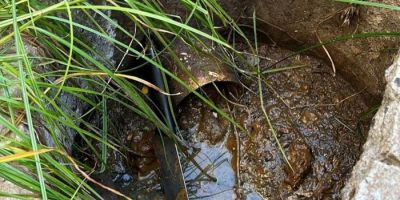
[23, 155]
[19, 49]
[373, 4]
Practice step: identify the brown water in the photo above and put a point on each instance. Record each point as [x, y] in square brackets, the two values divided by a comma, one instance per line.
[315, 117]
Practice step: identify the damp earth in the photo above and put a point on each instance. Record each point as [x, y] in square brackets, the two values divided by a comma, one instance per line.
[308, 153]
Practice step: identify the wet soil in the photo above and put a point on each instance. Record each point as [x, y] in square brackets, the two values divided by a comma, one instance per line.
[298, 25]
[132, 167]
[315, 117]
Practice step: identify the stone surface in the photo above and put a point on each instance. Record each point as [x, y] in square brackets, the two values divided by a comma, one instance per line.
[377, 173]
[10, 188]
[380, 182]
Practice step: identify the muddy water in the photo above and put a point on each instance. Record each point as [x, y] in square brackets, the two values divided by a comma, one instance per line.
[314, 116]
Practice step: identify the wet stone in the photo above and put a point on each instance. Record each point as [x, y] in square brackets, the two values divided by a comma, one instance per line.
[299, 157]
[308, 117]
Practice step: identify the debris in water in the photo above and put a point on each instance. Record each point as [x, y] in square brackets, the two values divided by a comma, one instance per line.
[299, 157]
[309, 117]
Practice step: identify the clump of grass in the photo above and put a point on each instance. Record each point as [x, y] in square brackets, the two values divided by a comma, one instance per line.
[34, 85]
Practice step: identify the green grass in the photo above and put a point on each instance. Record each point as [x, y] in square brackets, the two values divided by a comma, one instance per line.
[261, 80]
[371, 4]
[33, 84]
[20, 51]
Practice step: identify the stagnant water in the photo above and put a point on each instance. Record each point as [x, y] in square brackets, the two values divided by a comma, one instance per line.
[316, 118]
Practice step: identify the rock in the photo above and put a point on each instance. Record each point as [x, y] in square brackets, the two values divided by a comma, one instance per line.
[380, 182]
[9, 188]
[299, 157]
[308, 117]
[377, 173]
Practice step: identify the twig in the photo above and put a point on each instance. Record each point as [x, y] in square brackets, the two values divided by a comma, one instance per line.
[76, 166]
[323, 46]
[330, 104]
[327, 53]
[237, 139]
[197, 165]
[134, 78]
[225, 97]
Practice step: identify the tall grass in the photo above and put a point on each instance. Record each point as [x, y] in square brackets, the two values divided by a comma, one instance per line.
[45, 58]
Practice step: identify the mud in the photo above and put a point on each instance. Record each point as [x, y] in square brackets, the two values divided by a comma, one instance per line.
[315, 117]
[132, 167]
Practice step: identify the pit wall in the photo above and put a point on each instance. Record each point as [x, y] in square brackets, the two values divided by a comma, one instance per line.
[363, 62]
[294, 24]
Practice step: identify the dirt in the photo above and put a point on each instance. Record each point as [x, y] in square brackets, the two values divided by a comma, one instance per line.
[316, 120]
[299, 157]
[315, 116]
[132, 167]
[295, 24]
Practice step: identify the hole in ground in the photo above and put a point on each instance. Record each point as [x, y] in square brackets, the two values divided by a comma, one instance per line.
[319, 120]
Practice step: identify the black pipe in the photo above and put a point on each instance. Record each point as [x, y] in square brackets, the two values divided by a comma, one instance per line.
[172, 179]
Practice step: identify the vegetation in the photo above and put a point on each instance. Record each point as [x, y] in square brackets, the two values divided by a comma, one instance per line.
[47, 63]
